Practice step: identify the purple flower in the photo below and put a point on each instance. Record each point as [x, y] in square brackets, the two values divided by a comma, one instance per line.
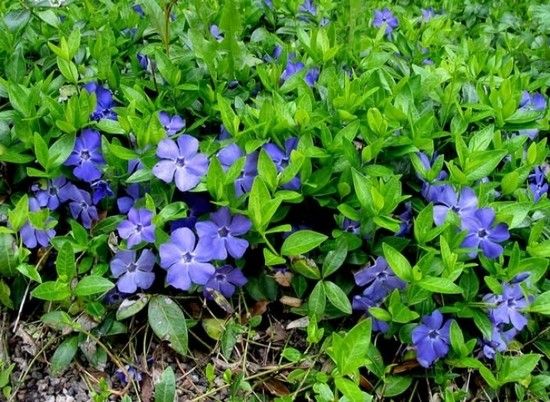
[507, 307]
[81, 207]
[228, 156]
[133, 274]
[139, 10]
[499, 341]
[86, 156]
[138, 227]
[308, 7]
[224, 280]
[385, 16]
[281, 158]
[172, 124]
[428, 14]
[312, 76]
[181, 162]
[132, 371]
[185, 261]
[216, 32]
[364, 302]
[379, 280]
[482, 233]
[429, 192]
[224, 134]
[292, 67]
[143, 61]
[406, 218]
[446, 200]
[134, 165]
[56, 192]
[532, 102]
[32, 236]
[133, 192]
[538, 184]
[104, 102]
[222, 234]
[431, 338]
[351, 226]
[100, 190]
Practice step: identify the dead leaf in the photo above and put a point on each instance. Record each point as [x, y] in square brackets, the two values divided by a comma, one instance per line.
[283, 278]
[365, 383]
[405, 366]
[29, 345]
[147, 388]
[291, 301]
[259, 308]
[276, 332]
[276, 387]
[299, 323]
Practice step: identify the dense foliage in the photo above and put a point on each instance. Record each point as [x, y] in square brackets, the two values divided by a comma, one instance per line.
[377, 172]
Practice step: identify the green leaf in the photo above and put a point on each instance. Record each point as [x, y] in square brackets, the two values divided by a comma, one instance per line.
[65, 263]
[64, 355]
[168, 322]
[52, 291]
[58, 320]
[361, 186]
[337, 297]
[267, 170]
[356, 346]
[165, 389]
[16, 19]
[18, 215]
[351, 390]
[483, 163]
[457, 339]
[395, 385]
[439, 285]
[516, 368]
[8, 260]
[30, 272]
[317, 300]
[301, 242]
[399, 264]
[541, 304]
[92, 285]
[41, 150]
[130, 307]
[334, 260]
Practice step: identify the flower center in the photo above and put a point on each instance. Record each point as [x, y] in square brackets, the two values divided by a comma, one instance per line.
[186, 257]
[223, 231]
[85, 154]
[52, 191]
[455, 208]
[139, 227]
[220, 277]
[511, 303]
[433, 334]
[180, 162]
[132, 267]
[482, 233]
[83, 205]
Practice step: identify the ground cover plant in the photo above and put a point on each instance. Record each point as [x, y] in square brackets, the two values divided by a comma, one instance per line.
[275, 200]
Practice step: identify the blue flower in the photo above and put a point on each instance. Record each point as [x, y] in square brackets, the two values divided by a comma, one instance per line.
[484, 234]
[228, 156]
[216, 32]
[172, 124]
[312, 76]
[81, 207]
[57, 191]
[224, 280]
[104, 102]
[431, 338]
[100, 190]
[181, 162]
[385, 17]
[222, 234]
[87, 157]
[308, 7]
[138, 227]
[538, 184]
[507, 307]
[185, 260]
[378, 279]
[132, 274]
[31, 236]
[281, 159]
[292, 67]
[445, 200]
